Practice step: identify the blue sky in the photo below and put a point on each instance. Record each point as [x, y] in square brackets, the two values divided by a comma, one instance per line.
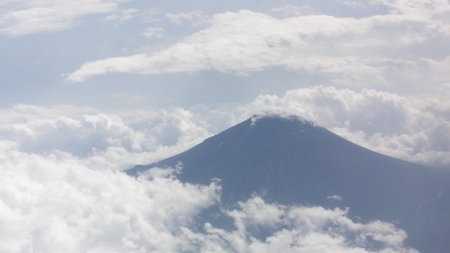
[94, 87]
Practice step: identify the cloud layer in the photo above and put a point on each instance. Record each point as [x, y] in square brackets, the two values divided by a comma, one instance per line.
[349, 51]
[21, 17]
[54, 203]
[411, 128]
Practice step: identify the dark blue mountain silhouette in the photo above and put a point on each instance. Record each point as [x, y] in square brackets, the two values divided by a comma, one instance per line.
[293, 161]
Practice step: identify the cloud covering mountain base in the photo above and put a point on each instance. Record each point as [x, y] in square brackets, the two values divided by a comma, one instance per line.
[54, 203]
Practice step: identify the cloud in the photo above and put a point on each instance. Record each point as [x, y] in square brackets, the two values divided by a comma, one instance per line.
[349, 51]
[55, 203]
[117, 140]
[153, 32]
[414, 128]
[335, 197]
[421, 7]
[353, 4]
[297, 229]
[21, 17]
[196, 17]
[291, 10]
[124, 15]
[53, 199]
[146, 15]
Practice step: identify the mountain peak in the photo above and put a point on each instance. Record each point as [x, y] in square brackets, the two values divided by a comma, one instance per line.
[281, 117]
[291, 160]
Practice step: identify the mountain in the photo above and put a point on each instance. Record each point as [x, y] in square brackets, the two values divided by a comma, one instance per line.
[290, 160]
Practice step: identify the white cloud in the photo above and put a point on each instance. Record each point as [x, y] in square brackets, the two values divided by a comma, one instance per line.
[196, 17]
[21, 17]
[410, 128]
[416, 7]
[52, 200]
[335, 197]
[353, 4]
[124, 15]
[347, 50]
[145, 15]
[153, 32]
[297, 229]
[54, 203]
[116, 140]
[290, 10]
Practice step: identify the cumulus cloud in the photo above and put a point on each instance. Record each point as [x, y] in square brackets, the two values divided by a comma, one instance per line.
[297, 229]
[113, 140]
[55, 203]
[55, 199]
[410, 128]
[21, 17]
[414, 128]
[346, 50]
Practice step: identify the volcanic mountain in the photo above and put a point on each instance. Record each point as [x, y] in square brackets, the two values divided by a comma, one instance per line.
[290, 160]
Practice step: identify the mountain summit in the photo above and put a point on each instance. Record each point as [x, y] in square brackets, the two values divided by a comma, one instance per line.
[290, 160]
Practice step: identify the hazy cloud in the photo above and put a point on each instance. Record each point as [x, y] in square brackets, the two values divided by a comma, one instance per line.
[146, 15]
[153, 32]
[291, 10]
[335, 197]
[349, 51]
[20, 17]
[124, 15]
[196, 17]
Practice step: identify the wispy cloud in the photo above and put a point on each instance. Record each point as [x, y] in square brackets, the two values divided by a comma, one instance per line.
[32, 16]
[335, 197]
[349, 51]
[145, 15]
[292, 11]
[196, 17]
[123, 15]
[153, 32]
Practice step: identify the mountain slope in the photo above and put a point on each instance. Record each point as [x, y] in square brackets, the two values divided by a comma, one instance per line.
[293, 161]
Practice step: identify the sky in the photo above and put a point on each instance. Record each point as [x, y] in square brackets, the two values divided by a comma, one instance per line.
[93, 87]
